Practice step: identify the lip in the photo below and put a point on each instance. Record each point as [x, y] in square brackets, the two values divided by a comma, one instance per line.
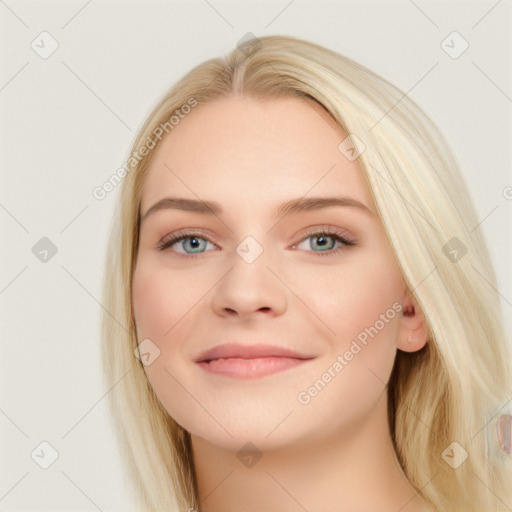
[237, 350]
[249, 361]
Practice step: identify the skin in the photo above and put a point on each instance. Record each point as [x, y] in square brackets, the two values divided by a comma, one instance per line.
[335, 452]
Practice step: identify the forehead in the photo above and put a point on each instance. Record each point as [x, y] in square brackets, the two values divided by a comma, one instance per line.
[247, 153]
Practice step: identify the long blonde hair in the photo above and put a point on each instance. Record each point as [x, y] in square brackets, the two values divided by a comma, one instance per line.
[450, 392]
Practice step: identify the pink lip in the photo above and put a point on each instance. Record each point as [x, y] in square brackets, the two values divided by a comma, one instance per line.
[252, 361]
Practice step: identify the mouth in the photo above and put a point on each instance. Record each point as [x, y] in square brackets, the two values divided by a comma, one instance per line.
[249, 362]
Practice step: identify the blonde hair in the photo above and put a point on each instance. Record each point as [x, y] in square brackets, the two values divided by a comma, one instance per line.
[451, 391]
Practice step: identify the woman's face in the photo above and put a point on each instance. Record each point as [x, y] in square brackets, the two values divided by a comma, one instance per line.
[253, 274]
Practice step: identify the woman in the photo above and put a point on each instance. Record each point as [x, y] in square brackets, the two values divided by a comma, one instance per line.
[297, 316]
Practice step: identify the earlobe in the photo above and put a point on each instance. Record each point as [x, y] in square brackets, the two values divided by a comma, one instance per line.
[412, 335]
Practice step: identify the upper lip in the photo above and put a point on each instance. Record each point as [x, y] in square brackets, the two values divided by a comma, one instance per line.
[238, 350]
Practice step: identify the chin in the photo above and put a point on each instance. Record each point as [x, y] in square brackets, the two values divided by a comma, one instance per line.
[246, 430]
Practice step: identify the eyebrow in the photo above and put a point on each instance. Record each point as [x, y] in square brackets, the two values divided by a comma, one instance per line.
[287, 208]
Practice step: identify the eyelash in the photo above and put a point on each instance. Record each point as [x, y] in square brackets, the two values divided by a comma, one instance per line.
[183, 234]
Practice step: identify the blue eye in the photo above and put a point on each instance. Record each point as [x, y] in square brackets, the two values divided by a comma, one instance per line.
[192, 241]
[196, 242]
[322, 242]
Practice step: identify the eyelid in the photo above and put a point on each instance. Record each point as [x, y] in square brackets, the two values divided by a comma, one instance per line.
[176, 236]
[328, 230]
[185, 232]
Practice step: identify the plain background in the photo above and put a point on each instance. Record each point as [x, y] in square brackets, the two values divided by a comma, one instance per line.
[67, 123]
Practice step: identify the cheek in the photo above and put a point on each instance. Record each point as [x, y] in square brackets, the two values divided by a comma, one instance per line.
[160, 299]
[151, 292]
[358, 301]
[162, 304]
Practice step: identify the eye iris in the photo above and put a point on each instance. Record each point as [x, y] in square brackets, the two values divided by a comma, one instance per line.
[321, 237]
[194, 241]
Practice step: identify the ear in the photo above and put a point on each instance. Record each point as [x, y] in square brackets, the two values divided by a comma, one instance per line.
[412, 334]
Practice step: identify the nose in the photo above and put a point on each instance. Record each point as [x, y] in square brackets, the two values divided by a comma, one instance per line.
[250, 288]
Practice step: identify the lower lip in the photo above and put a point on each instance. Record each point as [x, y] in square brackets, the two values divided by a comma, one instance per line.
[250, 368]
